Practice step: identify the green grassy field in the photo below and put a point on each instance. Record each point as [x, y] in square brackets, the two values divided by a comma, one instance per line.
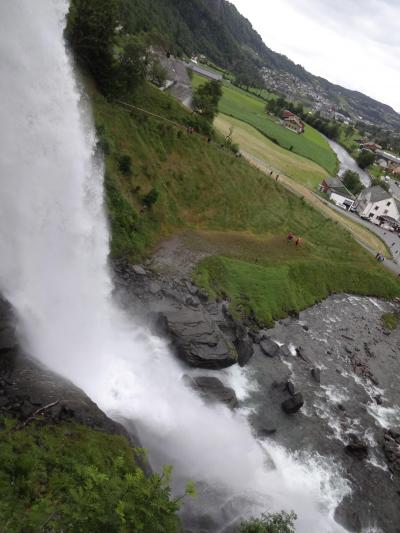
[250, 109]
[205, 188]
[255, 143]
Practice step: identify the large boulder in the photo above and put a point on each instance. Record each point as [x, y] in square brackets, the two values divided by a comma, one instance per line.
[196, 340]
[269, 347]
[293, 404]
[356, 448]
[213, 390]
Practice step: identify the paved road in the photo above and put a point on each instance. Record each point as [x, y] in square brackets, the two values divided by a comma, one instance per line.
[391, 239]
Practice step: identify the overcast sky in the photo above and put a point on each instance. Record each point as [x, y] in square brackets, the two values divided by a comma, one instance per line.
[355, 43]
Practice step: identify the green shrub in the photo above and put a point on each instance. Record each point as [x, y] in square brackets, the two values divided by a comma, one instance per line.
[390, 320]
[270, 523]
[67, 477]
[125, 164]
[150, 198]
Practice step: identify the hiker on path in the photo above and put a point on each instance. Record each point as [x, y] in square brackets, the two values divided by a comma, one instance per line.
[290, 237]
[298, 241]
[277, 177]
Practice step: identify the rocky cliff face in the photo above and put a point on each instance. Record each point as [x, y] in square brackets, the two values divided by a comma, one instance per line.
[29, 390]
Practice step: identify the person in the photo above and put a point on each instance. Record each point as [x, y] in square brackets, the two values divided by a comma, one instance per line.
[377, 256]
[290, 237]
[277, 177]
[298, 241]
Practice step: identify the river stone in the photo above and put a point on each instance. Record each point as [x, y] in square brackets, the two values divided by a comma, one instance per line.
[269, 347]
[293, 404]
[139, 270]
[357, 449]
[245, 350]
[213, 389]
[316, 374]
[196, 340]
[290, 388]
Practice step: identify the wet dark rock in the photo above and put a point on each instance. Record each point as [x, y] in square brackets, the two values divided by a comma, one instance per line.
[290, 388]
[213, 389]
[305, 327]
[193, 290]
[192, 301]
[316, 374]
[266, 432]
[356, 448]
[293, 404]
[300, 353]
[197, 340]
[269, 347]
[285, 351]
[202, 295]
[255, 337]
[240, 331]
[341, 407]
[245, 350]
[378, 399]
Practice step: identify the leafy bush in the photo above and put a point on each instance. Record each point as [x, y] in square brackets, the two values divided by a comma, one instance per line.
[68, 477]
[352, 181]
[270, 523]
[125, 164]
[390, 320]
[150, 198]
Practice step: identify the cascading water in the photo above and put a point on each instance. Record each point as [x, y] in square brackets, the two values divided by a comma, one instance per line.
[53, 269]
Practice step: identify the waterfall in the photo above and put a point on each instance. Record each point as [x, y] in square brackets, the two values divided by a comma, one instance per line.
[53, 269]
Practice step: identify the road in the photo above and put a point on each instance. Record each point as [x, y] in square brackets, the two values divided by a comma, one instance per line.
[391, 239]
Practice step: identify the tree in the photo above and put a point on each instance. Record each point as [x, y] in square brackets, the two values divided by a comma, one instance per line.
[352, 181]
[379, 182]
[365, 159]
[91, 31]
[270, 523]
[206, 99]
[132, 65]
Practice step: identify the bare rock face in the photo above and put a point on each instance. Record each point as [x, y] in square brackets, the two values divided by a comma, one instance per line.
[212, 389]
[196, 340]
[269, 347]
[293, 404]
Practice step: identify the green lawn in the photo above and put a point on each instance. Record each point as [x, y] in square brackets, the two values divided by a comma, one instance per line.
[250, 140]
[250, 109]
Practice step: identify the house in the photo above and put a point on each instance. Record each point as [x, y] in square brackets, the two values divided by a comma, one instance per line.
[292, 121]
[375, 202]
[337, 192]
[202, 71]
[371, 146]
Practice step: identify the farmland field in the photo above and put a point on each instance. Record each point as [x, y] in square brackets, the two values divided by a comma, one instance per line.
[250, 109]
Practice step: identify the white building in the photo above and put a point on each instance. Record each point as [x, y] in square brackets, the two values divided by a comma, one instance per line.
[375, 202]
[337, 192]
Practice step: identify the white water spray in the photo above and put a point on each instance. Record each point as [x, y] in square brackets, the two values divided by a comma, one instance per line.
[53, 269]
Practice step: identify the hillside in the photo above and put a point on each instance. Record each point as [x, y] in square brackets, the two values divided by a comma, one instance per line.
[216, 29]
[238, 213]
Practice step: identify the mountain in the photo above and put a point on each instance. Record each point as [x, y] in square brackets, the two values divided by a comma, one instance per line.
[216, 29]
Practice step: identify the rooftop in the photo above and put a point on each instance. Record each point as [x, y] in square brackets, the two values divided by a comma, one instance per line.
[377, 194]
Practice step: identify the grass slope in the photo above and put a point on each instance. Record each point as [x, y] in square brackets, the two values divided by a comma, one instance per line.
[255, 143]
[251, 109]
[203, 187]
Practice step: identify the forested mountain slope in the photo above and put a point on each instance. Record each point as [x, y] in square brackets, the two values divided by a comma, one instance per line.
[216, 29]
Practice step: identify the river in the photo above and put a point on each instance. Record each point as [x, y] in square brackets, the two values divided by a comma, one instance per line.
[348, 163]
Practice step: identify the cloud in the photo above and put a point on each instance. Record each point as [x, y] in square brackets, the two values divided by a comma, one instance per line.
[354, 44]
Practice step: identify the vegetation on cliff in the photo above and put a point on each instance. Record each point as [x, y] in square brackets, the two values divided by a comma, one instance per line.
[68, 477]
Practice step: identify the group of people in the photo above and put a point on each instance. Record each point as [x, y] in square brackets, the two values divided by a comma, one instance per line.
[276, 177]
[292, 238]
